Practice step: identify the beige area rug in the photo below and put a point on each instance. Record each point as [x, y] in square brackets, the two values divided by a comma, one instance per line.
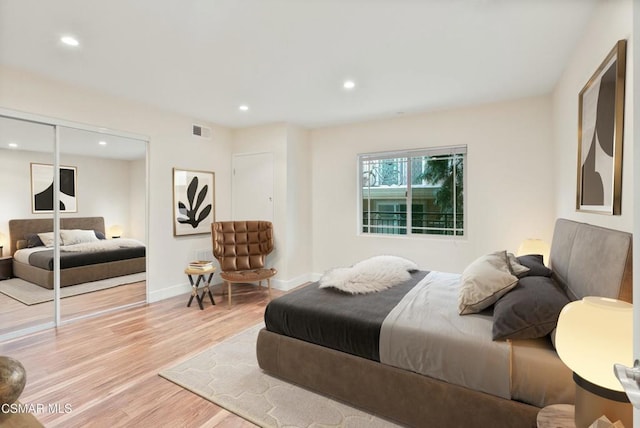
[32, 294]
[228, 375]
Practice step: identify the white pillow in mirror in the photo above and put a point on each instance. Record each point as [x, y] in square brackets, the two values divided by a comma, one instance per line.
[77, 236]
[46, 238]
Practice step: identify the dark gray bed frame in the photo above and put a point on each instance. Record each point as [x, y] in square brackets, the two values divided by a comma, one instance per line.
[586, 260]
[18, 228]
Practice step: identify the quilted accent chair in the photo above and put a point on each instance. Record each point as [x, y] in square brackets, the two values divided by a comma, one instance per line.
[241, 248]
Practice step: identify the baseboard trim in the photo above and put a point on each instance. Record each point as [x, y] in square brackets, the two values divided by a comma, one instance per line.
[167, 292]
[185, 288]
[289, 284]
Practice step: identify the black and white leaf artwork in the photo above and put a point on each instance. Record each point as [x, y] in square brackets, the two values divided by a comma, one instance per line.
[193, 215]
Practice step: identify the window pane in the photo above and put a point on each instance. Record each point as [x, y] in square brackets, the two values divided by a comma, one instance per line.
[425, 185]
[439, 195]
[384, 191]
[458, 163]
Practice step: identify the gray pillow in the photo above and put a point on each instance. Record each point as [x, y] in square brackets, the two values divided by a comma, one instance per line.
[528, 311]
[535, 263]
[33, 240]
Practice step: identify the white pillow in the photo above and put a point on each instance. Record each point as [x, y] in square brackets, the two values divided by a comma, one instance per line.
[370, 275]
[484, 281]
[46, 238]
[77, 236]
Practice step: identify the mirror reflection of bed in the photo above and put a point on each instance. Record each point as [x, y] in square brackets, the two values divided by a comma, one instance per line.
[111, 188]
[89, 264]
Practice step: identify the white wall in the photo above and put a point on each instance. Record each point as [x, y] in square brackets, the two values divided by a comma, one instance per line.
[612, 21]
[171, 145]
[299, 241]
[509, 189]
[137, 200]
[96, 196]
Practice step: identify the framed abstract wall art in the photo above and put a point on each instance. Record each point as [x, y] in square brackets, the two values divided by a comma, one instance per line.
[600, 131]
[193, 201]
[42, 189]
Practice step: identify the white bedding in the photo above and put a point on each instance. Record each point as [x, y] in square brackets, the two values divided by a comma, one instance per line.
[425, 334]
[102, 245]
[22, 255]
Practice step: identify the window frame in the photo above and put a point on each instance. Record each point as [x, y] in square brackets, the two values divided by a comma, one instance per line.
[408, 155]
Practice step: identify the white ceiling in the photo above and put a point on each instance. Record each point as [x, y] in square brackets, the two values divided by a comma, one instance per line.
[287, 59]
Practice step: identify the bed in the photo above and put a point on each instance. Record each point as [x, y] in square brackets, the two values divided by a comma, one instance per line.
[468, 388]
[83, 262]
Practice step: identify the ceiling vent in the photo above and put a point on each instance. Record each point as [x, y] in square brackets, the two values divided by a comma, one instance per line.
[201, 131]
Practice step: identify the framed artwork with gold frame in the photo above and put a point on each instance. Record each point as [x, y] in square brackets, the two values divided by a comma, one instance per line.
[600, 132]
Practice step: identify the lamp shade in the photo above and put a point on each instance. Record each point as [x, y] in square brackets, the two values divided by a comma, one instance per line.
[534, 246]
[592, 335]
[115, 231]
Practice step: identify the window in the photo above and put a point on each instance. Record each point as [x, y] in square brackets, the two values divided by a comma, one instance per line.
[425, 186]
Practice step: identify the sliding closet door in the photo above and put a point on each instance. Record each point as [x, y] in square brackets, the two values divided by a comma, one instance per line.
[26, 197]
[106, 181]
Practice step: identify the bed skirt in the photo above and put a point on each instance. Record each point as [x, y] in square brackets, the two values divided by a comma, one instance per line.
[399, 395]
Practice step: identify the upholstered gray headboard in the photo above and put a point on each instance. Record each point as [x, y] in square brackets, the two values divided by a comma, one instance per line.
[18, 228]
[590, 260]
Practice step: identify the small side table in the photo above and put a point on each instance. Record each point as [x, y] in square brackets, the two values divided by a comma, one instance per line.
[201, 277]
[6, 267]
[556, 416]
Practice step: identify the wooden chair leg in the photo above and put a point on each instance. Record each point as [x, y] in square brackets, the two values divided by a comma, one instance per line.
[229, 292]
[269, 287]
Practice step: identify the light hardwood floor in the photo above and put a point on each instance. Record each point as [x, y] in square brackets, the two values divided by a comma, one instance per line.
[15, 315]
[106, 368]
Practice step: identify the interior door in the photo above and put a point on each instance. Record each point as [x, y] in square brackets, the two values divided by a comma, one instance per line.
[252, 187]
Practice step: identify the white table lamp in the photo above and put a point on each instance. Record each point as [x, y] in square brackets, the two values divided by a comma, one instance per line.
[115, 231]
[592, 335]
[534, 246]
[3, 241]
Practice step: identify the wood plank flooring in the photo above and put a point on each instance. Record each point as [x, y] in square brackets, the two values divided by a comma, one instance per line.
[106, 368]
[15, 315]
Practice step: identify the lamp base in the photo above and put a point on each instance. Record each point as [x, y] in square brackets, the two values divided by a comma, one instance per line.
[593, 401]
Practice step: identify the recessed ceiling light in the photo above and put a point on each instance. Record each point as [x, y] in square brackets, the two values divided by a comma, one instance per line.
[243, 107]
[349, 84]
[69, 41]
[13, 145]
[102, 143]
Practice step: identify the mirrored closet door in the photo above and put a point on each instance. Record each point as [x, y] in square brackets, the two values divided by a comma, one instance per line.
[24, 306]
[106, 174]
[82, 249]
